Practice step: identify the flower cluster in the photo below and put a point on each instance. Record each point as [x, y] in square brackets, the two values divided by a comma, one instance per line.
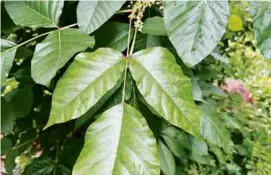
[139, 8]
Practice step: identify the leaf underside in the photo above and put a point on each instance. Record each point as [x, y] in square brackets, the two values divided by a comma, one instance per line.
[195, 27]
[261, 14]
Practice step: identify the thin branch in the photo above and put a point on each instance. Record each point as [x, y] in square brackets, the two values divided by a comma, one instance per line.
[57, 153]
[29, 141]
[133, 43]
[124, 82]
[129, 38]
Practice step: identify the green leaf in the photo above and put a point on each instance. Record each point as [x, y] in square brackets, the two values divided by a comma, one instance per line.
[177, 141]
[119, 142]
[166, 90]
[55, 51]
[197, 92]
[168, 165]
[113, 35]
[199, 152]
[6, 145]
[144, 41]
[261, 14]
[195, 27]
[15, 104]
[10, 161]
[20, 101]
[213, 129]
[90, 79]
[45, 166]
[35, 13]
[7, 118]
[92, 14]
[8, 52]
[154, 26]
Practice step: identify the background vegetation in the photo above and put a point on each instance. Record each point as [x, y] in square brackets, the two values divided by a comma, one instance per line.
[232, 86]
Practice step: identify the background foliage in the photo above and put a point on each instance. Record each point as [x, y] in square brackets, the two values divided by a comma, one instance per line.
[231, 87]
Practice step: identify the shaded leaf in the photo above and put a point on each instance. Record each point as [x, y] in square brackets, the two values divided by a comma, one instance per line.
[7, 118]
[144, 41]
[35, 13]
[113, 35]
[92, 14]
[261, 14]
[213, 129]
[10, 160]
[199, 152]
[20, 101]
[121, 141]
[195, 27]
[168, 165]
[166, 90]
[90, 79]
[45, 166]
[6, 145]
[154, 26]
[177, 141]
[55, 51]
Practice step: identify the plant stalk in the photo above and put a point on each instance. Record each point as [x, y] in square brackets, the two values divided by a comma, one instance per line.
[133, 43]
[124, 81]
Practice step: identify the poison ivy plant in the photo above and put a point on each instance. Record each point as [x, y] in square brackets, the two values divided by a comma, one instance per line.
[107, 87]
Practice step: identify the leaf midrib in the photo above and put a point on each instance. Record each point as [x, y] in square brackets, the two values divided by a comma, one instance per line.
[93, 81]
[146, 70]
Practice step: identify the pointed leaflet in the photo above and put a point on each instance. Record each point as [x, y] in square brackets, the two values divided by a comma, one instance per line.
[195, 27]
[92, 14]
[35, 13]
[165, 88]
[168, 165]
[90, 77]
[8, 52]
[119, 142]
[55, 51]
[261, 13]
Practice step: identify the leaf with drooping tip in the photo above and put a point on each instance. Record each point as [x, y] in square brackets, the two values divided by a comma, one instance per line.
[119, 142]
[90, 79]
[165, 89]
